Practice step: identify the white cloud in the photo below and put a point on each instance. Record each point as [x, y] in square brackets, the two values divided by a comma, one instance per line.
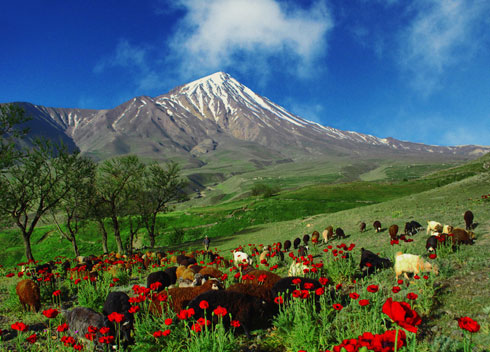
[250, 35]
[442, 34]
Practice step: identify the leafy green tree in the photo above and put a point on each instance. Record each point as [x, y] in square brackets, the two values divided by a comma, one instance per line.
[115, 184]
[11, 115]
[161, 186]
[36, 184]
[74, 206]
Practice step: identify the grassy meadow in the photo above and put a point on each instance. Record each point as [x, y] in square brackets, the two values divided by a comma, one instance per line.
[392, 194]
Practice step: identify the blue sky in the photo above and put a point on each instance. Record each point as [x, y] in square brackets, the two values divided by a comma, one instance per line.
[414, 70]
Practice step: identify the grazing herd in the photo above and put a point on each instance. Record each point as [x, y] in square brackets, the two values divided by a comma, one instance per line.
[186, 283]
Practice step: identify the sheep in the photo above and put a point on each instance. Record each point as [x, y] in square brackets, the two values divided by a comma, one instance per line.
[362, 227]
[252, 312]
[302, 251]
[264, 255]
[241, 258]
[460, 236]
[393, 230]
[80, 318]
[315, 236]
[377, 226]
[158, 276]
[339, 233]
[409, 229]
[433, 242]
[29, 294]
[446, 229]
[468, 219]
[306, 238]
[210, 271]
[181, 296]
[327, 234]
[434, 226]
[172, 274]
[296, 242]
[259, 291]
[372, 262]
[297, 269]
[287, 245]
[119, 302]
[411, 263]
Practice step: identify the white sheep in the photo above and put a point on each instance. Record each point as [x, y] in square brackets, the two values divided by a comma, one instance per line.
[297, 269]
[411, 263]
[241, 258]
[434, 226]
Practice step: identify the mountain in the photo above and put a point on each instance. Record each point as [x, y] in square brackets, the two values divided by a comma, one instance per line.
[215, 119]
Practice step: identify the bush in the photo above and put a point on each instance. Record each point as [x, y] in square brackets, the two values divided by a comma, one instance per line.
[265, 190]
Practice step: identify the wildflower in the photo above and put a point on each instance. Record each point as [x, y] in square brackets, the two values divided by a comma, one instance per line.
[115, 317]
[296, 293]
[134, 309]
[92, 329]
[155, 286]
[372, 288]
[220, 311]
[104, 330]
[412, 296]
[323, 280]
[204, 304]
[10, 275]
[432, 256]
[50, 313]
[468, 324]
[402, 314]
[363, 302]
[386, 341]
[32, 338]
[426, 277]
[19, 326]
[168, 321]
[338, 287]
[400, 282]
[196, 327]
[308, 285]
[57, 293]
[354, 295]
[279, 300]
[63, 327]
[77, 347]
[296, 281]
[186, 313]
[337, 306]
[106, 339]
[416, 277]
[396, 289]
[68, 340]
[320, 291]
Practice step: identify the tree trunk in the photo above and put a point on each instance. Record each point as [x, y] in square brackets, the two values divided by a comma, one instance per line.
[75, 247]
[117, 235]
[27, 245]
[151, 231]
[104, 236]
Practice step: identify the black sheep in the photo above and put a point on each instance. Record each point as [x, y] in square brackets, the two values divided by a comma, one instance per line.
[409, 229]
[306, 238]
[287, 245]
[158, 276]
[80, 318]
[362, 227]
[433, 242]
[172, 274]
[296, 242]
[252, 312]
[302, 251]
[468, 219]
[377, 226]
[339, 233]
[372, 262]
[119, 302]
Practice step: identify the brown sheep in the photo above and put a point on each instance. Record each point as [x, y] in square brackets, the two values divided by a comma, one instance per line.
[29, 294]
[411, 263]
[210, 271]
[460, 236]
[269, 281]
[468, 219]
[180, 270]
[327, 234]
[264, 255]
[377, 226]
[315, 236]
[362, 227]
[181, 296]
[393, 230]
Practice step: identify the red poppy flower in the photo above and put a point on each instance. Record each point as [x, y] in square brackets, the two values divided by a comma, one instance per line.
[296, 293]
[354, 295]
[412, 296]
[402, 314]
[220, 311]
[296, 281]
[372, 288]
[57, 293]
[115, 317]
[338, 287]
[320, 291]
[308, 285]
[155, 286]
[19, 326]
[386, 342]
[10, 275]
[468, 324]
[63, 327]
[279, 300]
[323, 280]
[305, 294]
[78, 347]
[235, 323]
[106, 339]
[68, 340]
[432, 256]
[50, 313]
[196, 327]
[396, 289]
[166, 332]
[134, 309]
[400, 282]
[32, 338]
[337, 306]
[104, 330]
[92, 329]
[416, 277]
[90, 336]
[363, 302]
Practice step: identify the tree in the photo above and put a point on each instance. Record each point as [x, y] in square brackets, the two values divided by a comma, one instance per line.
[74, 206]
[115, 183]
[36, 184]
[11, 116]
[161, 186]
